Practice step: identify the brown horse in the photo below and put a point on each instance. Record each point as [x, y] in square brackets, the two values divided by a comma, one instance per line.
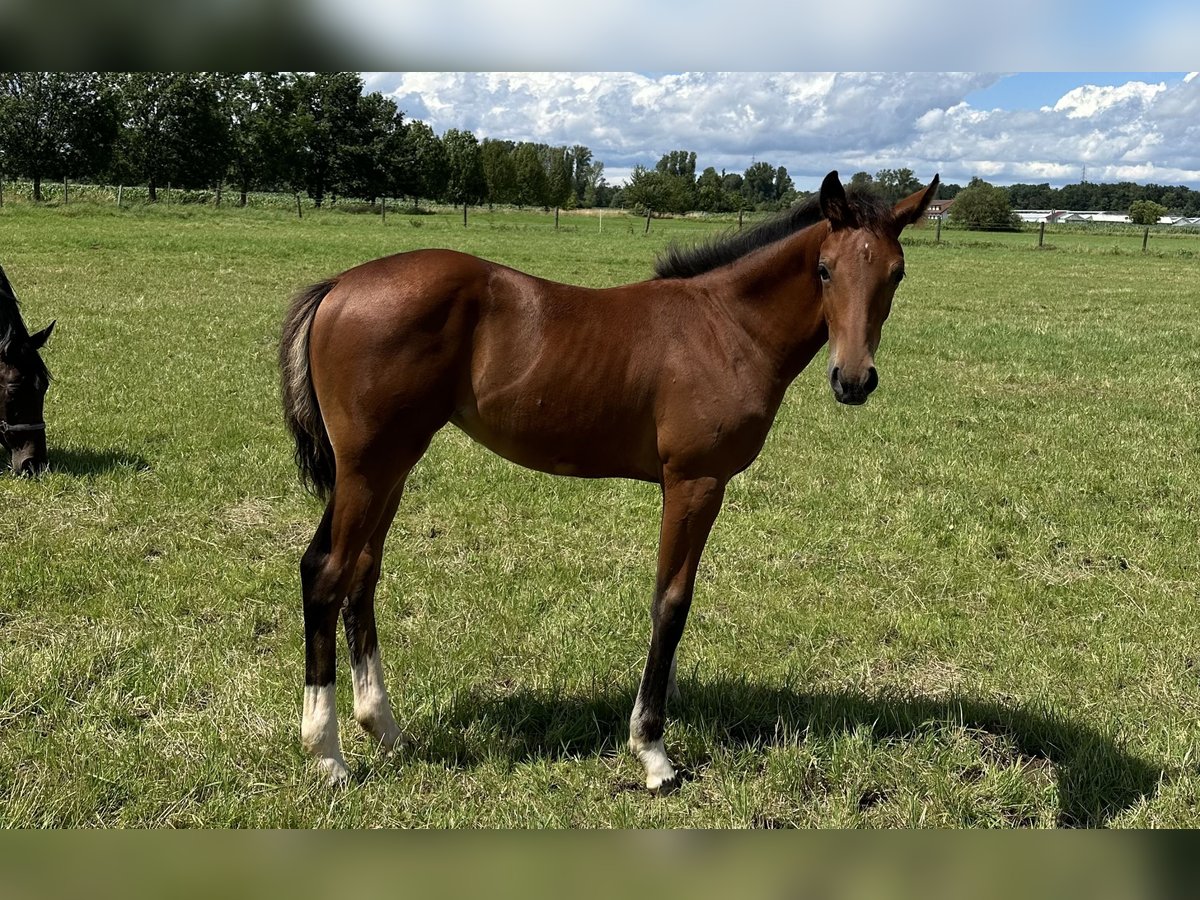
[675, 381]
[24, 380]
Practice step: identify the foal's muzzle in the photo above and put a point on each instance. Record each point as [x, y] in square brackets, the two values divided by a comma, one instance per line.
[854, 393]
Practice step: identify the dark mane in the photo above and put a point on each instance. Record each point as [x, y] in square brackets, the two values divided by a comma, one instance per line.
[869, 211]
[13, 330]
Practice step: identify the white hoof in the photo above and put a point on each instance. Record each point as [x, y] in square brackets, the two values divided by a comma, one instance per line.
[334, 770]
[390, 738]
[660, 774]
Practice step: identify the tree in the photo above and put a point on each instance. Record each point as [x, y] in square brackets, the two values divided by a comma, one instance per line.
[758, 184]
[533, 187]
[582, 172]
[430, 166]
[1146, 212]
[329, 120]
[56, 124]
[646, 191]
[862, 181]
[710, 193]
[465, 182]
[499, 171]
[373, 161]
[982, 205]
[560, 177]
[896, 184]
[785, 188]
[175, 130]
[260, 109]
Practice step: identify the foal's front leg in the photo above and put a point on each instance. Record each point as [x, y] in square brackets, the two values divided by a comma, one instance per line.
[690, 506]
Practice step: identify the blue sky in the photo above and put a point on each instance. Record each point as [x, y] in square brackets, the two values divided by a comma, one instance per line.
[1004, 127]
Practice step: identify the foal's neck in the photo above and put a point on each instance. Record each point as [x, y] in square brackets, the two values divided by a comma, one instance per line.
[775, 294]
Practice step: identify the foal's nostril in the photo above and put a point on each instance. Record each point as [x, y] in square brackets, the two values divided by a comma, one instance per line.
[872, 380]
[833, 376]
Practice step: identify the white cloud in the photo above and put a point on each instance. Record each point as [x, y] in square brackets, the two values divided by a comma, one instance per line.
[812, 122]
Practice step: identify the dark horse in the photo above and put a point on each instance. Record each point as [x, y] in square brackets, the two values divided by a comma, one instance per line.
[24, 380]
[675, 381]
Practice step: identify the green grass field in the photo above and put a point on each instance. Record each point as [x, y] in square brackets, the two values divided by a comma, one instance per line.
[972, 602]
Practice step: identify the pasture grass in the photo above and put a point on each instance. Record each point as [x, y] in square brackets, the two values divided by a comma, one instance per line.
[971, 602]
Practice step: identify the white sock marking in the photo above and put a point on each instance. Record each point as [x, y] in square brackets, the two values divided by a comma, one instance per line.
[372, 709]
[319, 732]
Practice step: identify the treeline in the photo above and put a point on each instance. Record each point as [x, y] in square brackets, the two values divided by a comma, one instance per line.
[316, 133]
[320, 134]
[1120, 197]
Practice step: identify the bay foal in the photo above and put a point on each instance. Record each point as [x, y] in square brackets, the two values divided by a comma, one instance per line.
[675, 381]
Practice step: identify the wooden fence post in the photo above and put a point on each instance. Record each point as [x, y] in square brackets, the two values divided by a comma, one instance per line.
[647, 231]
[1042, 234]
[1, 190]
[64, 190]
[464, 214]
[1145, 238]
[120, 188]
[938, 238]
[556, 218]
[299, 214]
[383, 210]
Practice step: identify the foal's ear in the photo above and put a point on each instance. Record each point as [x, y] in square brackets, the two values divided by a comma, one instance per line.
[37, 341]
[912, 207]
[833, 202]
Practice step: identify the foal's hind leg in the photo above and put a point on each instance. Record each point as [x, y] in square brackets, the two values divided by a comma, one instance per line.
[327, 572]
[372, 709]
[690, 507]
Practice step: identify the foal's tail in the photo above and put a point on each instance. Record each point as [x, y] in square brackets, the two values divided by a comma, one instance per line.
[314, 453]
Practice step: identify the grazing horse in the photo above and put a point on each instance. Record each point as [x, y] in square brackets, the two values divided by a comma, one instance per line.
[674, 381]
[24, 380]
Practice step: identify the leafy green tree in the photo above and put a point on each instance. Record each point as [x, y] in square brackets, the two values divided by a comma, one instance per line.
[259, 107]
[560, 177]
[984, 206]
[785, 188]
[895, 184]
[533, 187]
[710, 193]
[430, 163]
[758, 184]
[373, 161]
[646, 191]
[465, 182]
[56, 124]
[329, 120]
[175, 130]
[499, 171]
[582, 173]
[862, 181]
[1146, 212]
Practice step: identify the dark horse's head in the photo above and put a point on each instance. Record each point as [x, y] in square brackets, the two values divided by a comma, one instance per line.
[24, 380]
[860, 266]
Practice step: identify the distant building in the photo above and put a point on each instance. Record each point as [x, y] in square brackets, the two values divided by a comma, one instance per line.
[1071, 216]
[938, 209]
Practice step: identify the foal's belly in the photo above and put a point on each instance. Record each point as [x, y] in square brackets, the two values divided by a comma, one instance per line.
[579, 440]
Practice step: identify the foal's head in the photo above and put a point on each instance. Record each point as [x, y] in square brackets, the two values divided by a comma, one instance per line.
[24, 380]
[860, 266]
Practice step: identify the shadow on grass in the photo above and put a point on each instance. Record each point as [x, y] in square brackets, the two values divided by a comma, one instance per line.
[86, 461]
[1097, 779]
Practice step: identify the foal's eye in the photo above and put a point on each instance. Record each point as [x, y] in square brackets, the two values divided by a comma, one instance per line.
[898, 276]
[823, 271]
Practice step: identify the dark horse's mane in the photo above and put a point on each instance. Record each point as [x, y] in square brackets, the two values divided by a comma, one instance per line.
[12, 329]
[867, 209]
